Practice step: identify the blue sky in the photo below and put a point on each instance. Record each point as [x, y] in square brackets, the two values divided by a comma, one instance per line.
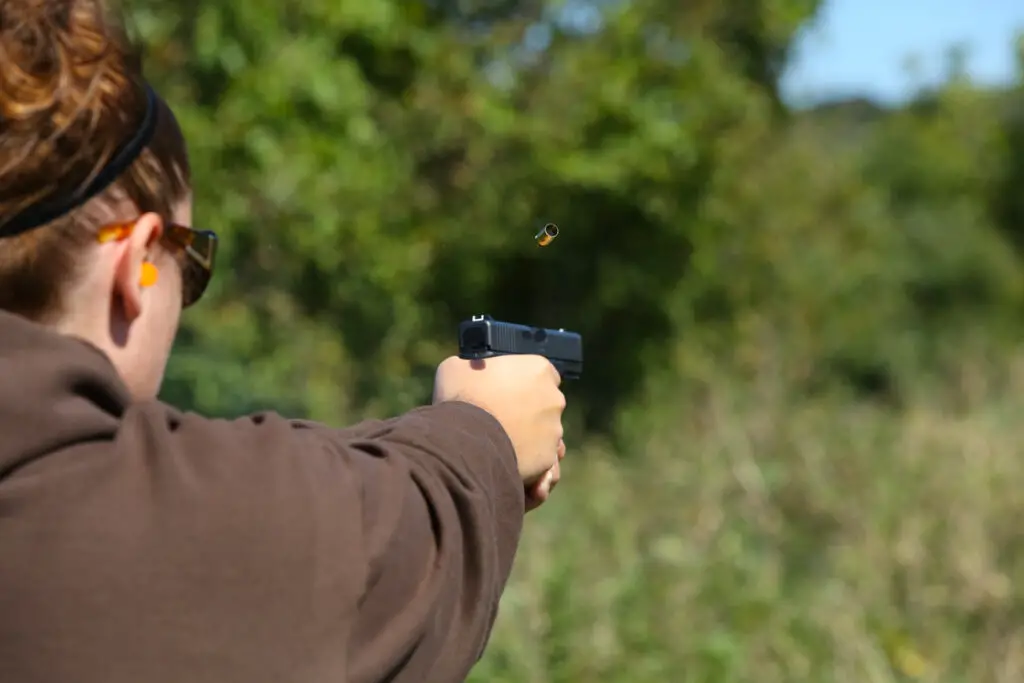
[861, 46]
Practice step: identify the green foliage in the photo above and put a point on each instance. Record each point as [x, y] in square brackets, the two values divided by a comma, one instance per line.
[377, 174]
[773, 538]
[798, 443]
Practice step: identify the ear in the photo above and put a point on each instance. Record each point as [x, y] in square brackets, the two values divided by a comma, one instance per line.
[129, 280]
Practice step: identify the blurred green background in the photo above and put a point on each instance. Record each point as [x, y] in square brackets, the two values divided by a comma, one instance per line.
[795, 454]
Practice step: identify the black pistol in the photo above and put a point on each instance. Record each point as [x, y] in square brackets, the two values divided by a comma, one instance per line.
[484, 337]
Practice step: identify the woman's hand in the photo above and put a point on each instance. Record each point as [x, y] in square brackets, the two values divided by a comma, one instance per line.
[538, 492]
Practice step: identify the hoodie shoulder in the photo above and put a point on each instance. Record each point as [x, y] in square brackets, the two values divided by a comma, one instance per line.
[141, 542]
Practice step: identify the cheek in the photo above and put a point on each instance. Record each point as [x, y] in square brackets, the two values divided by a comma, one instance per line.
[153, 337]
[173, 299]
[166, 308]
[170, 283]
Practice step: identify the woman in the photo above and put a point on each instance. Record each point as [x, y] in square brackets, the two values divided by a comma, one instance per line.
[142, 544]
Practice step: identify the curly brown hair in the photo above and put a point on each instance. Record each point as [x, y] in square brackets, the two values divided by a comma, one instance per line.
[71, 94]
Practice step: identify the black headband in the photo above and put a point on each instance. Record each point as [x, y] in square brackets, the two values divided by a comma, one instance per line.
[40, 214]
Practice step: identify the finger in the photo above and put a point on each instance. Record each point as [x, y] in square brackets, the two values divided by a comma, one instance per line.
[538, 493]
[555, 374]
[544, 485]
[555, 477]
[535, 498]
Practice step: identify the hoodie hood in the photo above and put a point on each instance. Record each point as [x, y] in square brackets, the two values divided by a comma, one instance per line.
[55, 391]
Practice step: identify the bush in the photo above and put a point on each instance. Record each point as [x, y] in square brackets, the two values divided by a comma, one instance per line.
[760, 536]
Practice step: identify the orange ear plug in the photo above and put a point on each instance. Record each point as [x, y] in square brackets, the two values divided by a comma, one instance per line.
[150, 275]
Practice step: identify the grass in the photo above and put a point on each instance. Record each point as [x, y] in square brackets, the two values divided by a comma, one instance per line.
[763, 537]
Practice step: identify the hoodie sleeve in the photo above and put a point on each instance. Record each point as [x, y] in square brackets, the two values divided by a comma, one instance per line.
[442, 506]
[141, 543]
[376, 553]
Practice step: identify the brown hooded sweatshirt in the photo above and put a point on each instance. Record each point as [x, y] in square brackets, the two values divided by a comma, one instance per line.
[141, 544]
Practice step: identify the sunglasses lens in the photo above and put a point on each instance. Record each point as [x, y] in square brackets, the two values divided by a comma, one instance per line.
[199, 256]
[196, 280]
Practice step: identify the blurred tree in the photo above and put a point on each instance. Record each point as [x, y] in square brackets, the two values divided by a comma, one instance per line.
[377, 170]
[1008, 193]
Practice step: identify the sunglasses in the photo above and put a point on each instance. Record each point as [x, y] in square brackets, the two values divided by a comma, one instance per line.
[195, 251]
